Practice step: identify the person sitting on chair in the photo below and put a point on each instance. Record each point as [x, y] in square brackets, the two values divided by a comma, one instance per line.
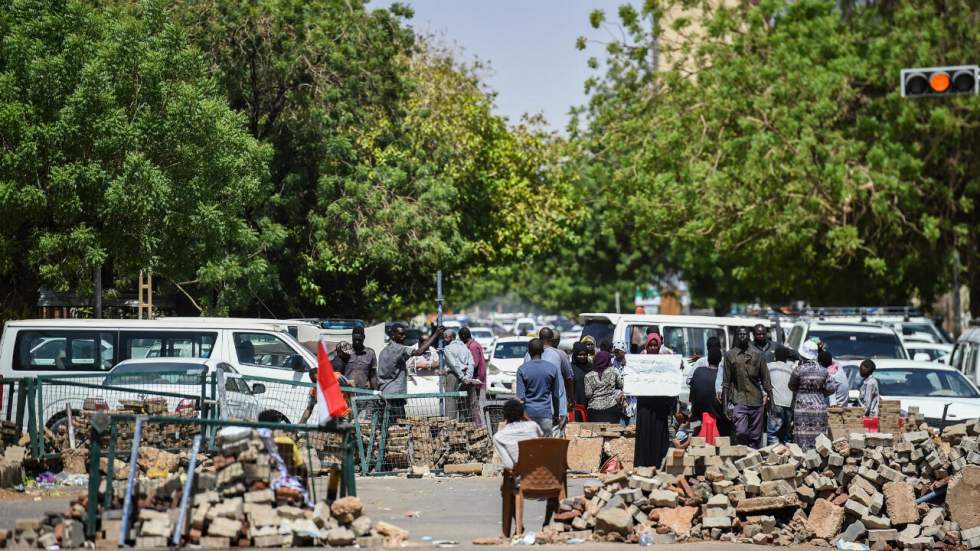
[518, 428]
[505, 442]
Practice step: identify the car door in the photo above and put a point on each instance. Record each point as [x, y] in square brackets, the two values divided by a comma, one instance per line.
[238, 399]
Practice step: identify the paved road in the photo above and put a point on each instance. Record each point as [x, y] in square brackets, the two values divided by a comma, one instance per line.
[453, 509]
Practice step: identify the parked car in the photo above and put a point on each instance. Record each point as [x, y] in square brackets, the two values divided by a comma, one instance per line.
[928, 351]
[525, 326]
[685, 335]
[486, 338]
[91, 347]
[928, 386]
[966, 355]
[850, 342]
[507, 356]
[183, 376]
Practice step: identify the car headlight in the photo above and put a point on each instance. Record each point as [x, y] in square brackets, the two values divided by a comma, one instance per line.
[494, 370]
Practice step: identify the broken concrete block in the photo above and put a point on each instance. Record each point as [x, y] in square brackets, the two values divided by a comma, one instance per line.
[900, 503]
[825, 519]
[615, 521]
[963, 498]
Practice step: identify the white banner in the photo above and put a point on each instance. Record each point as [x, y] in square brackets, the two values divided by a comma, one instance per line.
[653, 375]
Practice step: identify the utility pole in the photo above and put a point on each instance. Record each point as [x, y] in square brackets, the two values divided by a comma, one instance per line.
[97, 279]
[442, 358]
[618, 311]
[957, 321]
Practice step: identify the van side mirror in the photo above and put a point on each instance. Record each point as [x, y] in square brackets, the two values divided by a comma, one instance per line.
[297, 363]
[258, 388]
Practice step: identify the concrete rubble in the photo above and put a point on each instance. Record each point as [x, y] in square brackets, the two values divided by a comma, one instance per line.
[878, 489]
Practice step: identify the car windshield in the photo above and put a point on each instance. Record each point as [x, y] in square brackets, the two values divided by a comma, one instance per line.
[934, 353]
[599, 329]
[481, 333]
[163, 373]
[924, 382]
[852, 346]
[911, 328]
[509, 350]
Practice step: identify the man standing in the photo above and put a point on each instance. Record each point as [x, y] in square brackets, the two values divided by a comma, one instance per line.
[459, 370]
[746, 380]
[540, 388]
[475, 390]
[556, 358]
[768, 348]
[393, 368]
[361, 366]
[780, 419]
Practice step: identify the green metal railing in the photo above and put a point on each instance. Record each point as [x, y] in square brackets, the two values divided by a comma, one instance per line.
[108, 424]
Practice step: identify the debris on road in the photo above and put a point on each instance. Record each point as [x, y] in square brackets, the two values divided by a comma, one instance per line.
[875, 489]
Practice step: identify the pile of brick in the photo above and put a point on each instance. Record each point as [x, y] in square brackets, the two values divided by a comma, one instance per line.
[241, 498]
[864, 489]
[53, 531]
[154, 434]
[434, 443]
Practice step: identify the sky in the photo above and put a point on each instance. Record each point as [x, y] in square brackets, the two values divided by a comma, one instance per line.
[529, 44]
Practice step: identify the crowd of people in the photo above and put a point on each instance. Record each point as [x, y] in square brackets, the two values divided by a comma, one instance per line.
[758, 392]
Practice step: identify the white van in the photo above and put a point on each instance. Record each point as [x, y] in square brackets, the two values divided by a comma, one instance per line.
[77, 347]
[685, 335]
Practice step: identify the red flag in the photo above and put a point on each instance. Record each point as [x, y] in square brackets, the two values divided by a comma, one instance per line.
[330, 400]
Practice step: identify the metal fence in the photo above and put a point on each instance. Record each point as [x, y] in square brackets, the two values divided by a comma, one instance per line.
[391, 433]
[395, 432]
[14, 394]
[64, 404]
[321, 458]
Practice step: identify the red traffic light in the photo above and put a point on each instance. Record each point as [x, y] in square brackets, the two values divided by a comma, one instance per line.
[940, 81]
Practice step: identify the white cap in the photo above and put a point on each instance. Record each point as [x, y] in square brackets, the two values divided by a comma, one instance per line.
[809, 350]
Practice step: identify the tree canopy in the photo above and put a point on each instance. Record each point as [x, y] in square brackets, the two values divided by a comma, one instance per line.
[319, 158]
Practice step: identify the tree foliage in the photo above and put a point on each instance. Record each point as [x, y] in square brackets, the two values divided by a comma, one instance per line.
[772, 157]
[117, 149]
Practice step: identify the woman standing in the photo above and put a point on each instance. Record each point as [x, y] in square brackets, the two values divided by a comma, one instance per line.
[590, 344]
[653, 414]
[604, 391]
[812, 384]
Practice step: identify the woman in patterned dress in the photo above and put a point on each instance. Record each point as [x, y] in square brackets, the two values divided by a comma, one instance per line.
[811, 384]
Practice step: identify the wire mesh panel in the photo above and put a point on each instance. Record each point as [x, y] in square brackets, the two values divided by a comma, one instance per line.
[422, 430]
[14, 394]
[75, 398]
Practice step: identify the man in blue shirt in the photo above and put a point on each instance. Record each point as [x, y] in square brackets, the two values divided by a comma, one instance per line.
[541, 387]
[556, 357]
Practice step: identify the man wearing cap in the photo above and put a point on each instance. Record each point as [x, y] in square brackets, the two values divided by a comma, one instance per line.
[361, 365]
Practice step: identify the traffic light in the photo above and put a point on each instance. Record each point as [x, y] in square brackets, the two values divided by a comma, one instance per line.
[941, 81]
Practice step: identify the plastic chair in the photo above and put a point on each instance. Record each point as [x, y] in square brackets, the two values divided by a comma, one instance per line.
[578, 414]
[541, 467]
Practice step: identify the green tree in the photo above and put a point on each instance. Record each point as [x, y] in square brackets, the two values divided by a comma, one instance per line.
[388, 162]
[773, 157]
[117, 148]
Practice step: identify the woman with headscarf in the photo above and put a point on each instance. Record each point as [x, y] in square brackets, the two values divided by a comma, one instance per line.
[619, 350]
[604, 391]
[581, 366]
[653, 416]
[812, 384]
[589, 342]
